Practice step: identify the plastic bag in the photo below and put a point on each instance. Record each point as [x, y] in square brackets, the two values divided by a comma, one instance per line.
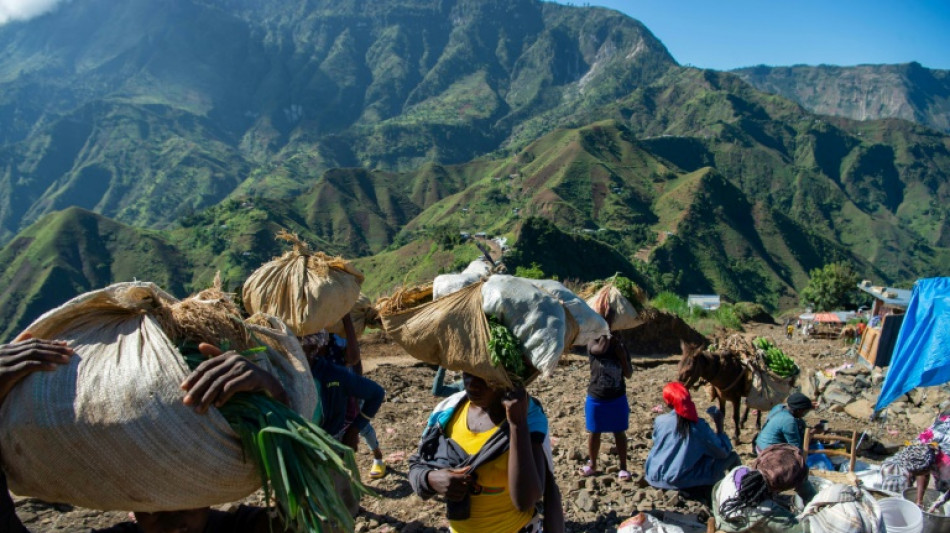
[590, 324]
[536, 317]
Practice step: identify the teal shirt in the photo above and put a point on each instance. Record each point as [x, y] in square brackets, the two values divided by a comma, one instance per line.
[781, 428]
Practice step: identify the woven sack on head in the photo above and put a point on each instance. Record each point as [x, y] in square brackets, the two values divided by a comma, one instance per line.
[451, 332]
[361, 314]
[536, 317]
[109, 430]
[607, 298]
[591, 325]
[767, 388]
[308, 290]
[403, 299]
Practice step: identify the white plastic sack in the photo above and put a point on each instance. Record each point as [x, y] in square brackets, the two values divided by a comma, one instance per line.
[109, 430]
[590, 323]
[478, 267]
[534, 316]
[445, 284]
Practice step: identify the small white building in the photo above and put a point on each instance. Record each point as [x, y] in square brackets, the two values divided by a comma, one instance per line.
[707, 302]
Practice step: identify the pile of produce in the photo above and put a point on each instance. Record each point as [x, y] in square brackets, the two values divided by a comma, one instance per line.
[775, 359]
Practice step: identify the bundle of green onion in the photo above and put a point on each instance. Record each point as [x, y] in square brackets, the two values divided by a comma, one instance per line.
[295, 457]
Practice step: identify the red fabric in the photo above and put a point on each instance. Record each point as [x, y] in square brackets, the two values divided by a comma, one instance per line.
[676, 396]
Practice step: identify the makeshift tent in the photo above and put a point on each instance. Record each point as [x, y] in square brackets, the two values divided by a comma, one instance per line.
[921, 358]
[830, 318]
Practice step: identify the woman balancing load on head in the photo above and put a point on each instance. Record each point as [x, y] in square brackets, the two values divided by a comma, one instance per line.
[487, 452]
[686, 454]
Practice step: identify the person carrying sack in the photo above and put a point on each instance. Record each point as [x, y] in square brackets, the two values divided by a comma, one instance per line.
[488, 453]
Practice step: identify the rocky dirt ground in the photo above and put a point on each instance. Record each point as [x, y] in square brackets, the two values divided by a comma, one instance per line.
[597, 503]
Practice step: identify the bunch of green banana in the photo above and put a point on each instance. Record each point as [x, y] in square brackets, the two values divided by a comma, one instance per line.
[779, 363]
[762, 343]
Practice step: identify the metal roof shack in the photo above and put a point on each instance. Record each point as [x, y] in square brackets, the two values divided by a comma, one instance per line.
[884, 322]
[886, 295]
[708, 302]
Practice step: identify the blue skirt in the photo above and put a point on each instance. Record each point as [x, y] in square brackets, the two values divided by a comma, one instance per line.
[607, 416]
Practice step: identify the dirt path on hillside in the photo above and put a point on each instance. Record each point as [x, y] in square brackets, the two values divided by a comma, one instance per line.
[598, 503]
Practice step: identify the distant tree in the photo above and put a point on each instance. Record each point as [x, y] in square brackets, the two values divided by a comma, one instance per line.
[833, 286]
[532, 272]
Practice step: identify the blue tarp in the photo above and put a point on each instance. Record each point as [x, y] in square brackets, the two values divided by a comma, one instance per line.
[922, 352]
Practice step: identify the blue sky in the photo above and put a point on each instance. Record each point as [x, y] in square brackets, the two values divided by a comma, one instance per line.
[728, 34]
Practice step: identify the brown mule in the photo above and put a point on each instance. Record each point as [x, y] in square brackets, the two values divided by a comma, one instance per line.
[727, 377]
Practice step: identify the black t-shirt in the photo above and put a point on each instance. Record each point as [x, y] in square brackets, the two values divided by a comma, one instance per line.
[606, 371]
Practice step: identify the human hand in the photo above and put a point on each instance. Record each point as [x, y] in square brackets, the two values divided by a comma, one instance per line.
[452, 483]
[516, 406]
[26, 355]
[216, 380]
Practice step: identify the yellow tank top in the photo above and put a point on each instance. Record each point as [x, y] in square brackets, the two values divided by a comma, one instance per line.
[492, 509]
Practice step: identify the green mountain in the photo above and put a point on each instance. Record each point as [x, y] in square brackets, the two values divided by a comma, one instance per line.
[910, 91]
[168, 144]
[145, 112]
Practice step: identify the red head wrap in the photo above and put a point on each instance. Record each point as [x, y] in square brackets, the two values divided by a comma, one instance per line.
[676, 396]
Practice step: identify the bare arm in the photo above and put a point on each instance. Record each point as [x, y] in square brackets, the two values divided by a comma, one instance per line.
[352, 344]
[526, 466]
[624, 359]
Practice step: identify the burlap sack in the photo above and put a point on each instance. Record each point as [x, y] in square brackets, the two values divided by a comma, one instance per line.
[451, 332]
[308, 290]
[362, 314]
[767, 389]
[625, 314]
[109, 430]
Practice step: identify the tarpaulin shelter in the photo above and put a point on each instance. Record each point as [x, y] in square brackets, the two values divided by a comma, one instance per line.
[921, 356]
[830, 318]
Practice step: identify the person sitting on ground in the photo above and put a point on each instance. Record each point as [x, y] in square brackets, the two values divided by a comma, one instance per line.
[606, 409]
[746, 498]
[784, 424]
[213, 383]
[686, 454]
[487, 452]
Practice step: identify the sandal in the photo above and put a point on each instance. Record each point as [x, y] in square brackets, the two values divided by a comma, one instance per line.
[378, 470]
[623, 475]
[587, 470]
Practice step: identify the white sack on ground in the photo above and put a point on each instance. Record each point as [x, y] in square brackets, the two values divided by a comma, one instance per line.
[590, 323]
[534, 316]
[109, 430]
